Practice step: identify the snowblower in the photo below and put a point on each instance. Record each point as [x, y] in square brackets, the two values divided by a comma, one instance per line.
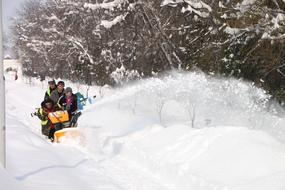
[71, 132]
[58, 117]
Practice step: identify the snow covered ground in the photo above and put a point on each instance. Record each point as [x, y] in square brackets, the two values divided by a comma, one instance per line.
[180, 132]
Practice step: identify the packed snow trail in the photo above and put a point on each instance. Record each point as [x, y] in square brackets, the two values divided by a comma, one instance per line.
[34, 161]
[128, 147]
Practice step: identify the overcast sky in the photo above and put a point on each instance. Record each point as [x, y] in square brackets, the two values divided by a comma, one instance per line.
[9, 10]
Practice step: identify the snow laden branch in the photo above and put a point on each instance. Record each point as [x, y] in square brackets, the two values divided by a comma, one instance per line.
[197, 7]
[110, 23]
[110, 5]
[78, 44]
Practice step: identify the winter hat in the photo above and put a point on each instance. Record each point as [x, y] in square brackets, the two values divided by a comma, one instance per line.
[60, 83]
[68, 89]
[51, 82]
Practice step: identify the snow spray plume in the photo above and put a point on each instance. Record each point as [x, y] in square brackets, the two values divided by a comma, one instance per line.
[203, 101]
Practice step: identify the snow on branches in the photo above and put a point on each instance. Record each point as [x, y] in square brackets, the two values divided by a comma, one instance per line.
[105, 41]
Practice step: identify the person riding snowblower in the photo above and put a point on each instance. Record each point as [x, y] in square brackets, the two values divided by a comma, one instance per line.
[48, 129]
[58, 112]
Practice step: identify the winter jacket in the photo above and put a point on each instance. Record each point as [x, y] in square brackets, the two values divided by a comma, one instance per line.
[43, 116]
[56, 96]
[48, 93]
[43, 113]
[69, 104]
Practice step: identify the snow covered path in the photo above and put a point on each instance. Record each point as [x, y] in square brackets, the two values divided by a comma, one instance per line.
[33, 160]
[127, 148]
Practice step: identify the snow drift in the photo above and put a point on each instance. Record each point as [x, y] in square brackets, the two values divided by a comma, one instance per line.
[194, 99]
[180, 131]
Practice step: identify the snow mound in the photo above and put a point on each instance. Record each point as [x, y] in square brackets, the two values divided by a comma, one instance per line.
[178, 132]
[192, 99]
[188, 131]
[179, 157]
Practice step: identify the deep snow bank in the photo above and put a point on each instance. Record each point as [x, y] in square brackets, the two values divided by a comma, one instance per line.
[179, 132]
[192, 99]
[181, 158]
[188, 131]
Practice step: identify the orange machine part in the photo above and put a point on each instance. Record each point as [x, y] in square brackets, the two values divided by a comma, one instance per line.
[68, 133]
[58, 117]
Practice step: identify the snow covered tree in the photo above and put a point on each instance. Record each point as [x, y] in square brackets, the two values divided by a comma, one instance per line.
[90, 41]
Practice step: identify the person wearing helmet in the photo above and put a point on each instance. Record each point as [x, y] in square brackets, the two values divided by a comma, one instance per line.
[57, 94]
[51, 88]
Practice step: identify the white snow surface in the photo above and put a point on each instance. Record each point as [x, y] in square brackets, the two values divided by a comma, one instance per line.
[236, 142]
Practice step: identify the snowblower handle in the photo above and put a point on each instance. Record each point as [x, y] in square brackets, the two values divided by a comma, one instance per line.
[34, 114]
